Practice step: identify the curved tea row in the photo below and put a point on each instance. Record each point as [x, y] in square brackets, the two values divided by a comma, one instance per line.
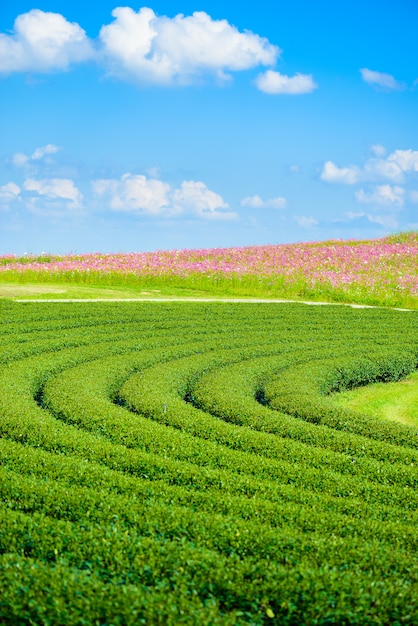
[181, 463]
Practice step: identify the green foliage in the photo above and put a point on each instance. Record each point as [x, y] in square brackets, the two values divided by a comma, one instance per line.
[184, 463]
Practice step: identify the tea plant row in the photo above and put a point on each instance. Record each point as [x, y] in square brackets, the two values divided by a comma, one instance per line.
[184, 463]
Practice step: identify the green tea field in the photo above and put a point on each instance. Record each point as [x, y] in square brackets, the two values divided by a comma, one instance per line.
[186, 463]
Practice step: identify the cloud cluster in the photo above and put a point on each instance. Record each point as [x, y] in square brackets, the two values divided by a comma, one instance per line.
[153, 197]
[46, 194]
[381, 184]
[142, 47]
[256, 202]
[39, 191]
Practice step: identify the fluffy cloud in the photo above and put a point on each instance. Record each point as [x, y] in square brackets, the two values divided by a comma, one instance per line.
[275, 83]
[43, 42]
[382, 194]
[380, 79]
[407, 160]
[144, 47]
[132, 193]
[331, 173]
[20, 159]
[195, 198]
[54, 191]
[255, 202]
[156, 198]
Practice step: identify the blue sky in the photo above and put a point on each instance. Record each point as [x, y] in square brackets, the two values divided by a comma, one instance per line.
[180, 124]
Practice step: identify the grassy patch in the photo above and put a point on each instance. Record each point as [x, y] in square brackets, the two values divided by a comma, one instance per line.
[391, 401]
[122, 287]
[63, 291]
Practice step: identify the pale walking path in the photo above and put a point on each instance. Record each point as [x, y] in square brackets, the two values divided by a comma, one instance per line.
[185, 299]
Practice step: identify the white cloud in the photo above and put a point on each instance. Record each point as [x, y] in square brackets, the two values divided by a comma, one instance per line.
[387, 221]
[380, 79]
[147, 48]
[10, 190]
[143, 47]
[153, 171]
[379, 168]
[306, 222]
[9, 193]
[353, 215]
[331, 173]
[155, 197]
[43, 150]
[378, 150]
[275, 83]
[414, 196]
[407, 160]
[194, 197]
[55, 189]
[382, 194]
[255, 202]
[134, 193]
[43, 42]
[20, 159]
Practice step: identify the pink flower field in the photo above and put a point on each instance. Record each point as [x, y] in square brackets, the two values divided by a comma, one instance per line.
[382, 265]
